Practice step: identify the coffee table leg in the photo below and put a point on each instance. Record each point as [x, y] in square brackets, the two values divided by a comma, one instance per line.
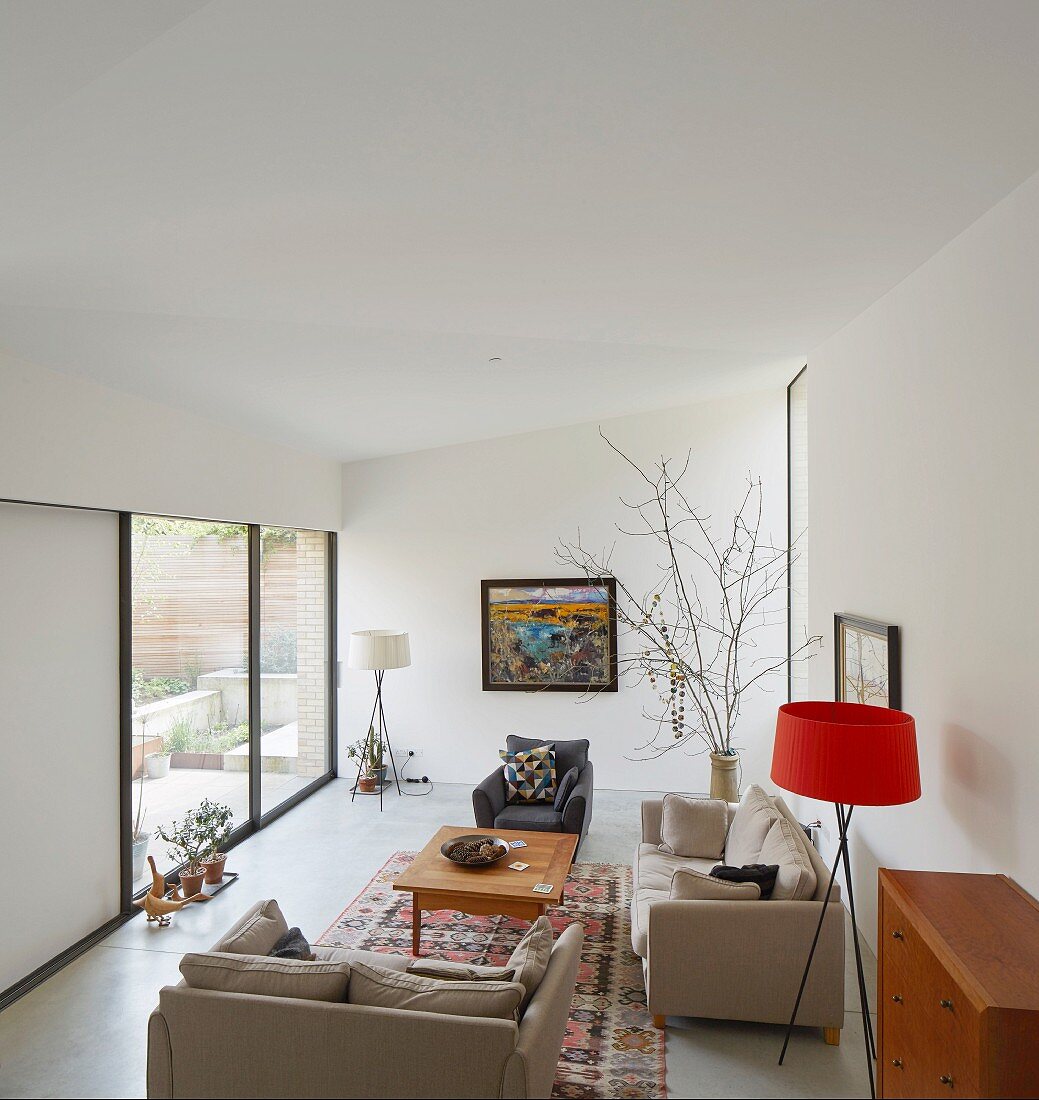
[416, 925]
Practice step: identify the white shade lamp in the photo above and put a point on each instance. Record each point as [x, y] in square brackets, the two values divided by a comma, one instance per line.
[376, 651]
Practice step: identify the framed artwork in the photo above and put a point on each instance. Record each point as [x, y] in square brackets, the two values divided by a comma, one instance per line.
[868, 662]
[550, 635]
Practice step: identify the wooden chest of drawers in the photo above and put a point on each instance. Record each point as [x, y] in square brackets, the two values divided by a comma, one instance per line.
[958, 986]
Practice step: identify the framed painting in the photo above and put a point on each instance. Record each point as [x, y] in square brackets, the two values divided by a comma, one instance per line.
[550, 635]
[867, 662]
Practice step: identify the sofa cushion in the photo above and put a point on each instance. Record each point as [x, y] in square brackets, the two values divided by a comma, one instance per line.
[447, 971]
[539, 817]
[256, 932]
[369, 958]
[530, 958]
[641, 901]
[224, 972]
[380, 987]
[569, 754]
[796, 880]
[529, 776]
[693, 826]
[654, 869]
[565, 789]
[690, 885]
[751, 822]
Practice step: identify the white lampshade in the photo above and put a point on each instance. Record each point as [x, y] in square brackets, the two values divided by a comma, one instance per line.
[379, 649]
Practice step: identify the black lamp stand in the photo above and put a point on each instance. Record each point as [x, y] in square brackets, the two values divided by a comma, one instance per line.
[843, 821]
[384, 737]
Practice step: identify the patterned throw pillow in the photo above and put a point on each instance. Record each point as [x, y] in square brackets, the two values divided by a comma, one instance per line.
[530, 776]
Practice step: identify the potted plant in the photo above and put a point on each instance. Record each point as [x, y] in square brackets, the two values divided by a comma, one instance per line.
[157, 764]
[216, 820]
[369, 756]
[188, 843]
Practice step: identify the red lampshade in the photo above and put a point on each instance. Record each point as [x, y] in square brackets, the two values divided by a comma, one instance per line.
[847, 752]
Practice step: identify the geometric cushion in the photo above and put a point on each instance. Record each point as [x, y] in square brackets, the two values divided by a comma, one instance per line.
[693, 826]
[796, 880]
[256, 932]
[383, 988]
[754, 817]
[569, 754]
[263, 977]
[530, 776]
[690, 885]
[530, 959]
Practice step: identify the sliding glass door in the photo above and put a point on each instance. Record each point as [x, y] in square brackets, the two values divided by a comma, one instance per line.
[294, 662]
[203, 597]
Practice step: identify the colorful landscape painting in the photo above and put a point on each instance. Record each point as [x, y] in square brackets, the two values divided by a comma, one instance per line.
[549, 635]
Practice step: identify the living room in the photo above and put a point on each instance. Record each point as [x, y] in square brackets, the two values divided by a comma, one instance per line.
[501, 508]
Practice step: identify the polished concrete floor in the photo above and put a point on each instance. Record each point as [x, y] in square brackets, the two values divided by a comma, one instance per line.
[82, 1033]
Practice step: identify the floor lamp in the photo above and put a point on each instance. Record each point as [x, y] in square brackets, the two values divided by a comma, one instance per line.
[851, 755]
[376, 651]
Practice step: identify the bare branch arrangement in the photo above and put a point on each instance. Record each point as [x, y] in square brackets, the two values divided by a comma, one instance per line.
[695, 642]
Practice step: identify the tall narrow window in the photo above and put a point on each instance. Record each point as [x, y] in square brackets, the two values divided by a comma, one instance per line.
[190, 596]
[294, 662]
[797, 460]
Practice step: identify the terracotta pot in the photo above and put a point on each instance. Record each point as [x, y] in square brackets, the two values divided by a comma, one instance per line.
[725, 781]
[215, 869]
[366, 784]
[190, 885]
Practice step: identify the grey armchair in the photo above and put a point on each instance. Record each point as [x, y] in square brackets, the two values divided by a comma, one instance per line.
[493, 812]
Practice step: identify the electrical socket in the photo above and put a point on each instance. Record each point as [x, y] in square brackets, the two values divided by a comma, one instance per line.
[414, 753]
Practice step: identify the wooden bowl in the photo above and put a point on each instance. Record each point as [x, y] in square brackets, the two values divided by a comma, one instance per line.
[473, 838]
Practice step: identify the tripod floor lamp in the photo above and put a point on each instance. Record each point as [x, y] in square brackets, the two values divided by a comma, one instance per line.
[376, 651]
[851, 755]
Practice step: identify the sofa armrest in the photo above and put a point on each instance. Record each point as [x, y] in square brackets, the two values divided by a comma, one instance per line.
[743, 961]
[652, 814]
[489, 799]
[577, 813]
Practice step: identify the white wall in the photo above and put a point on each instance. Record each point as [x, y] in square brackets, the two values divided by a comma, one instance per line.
[65, 440]
[59, 777]
[924, 453]
[422, 530]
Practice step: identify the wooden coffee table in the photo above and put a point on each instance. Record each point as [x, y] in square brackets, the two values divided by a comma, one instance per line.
[436, 883]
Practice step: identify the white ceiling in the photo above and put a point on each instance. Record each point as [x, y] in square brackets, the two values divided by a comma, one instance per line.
[318, 221]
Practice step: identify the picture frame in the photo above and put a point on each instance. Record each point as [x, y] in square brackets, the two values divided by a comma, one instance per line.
[549, 634]
[867, 662]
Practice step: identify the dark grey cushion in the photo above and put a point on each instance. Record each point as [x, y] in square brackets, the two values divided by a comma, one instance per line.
[538, 817]
[564, 789]
[569, 754]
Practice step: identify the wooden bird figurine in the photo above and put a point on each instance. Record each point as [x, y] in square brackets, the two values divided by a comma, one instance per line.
[157, 905]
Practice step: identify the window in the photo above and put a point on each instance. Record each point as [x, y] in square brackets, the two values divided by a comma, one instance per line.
[797, 504]
[196, 729]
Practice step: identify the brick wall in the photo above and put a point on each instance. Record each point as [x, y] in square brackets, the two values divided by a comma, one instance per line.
[312, 651]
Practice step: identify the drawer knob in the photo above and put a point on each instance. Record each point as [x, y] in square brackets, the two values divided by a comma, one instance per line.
[897, 998]
[897, 934]
[897, 1063]
[946, 1003]
[946, 1080]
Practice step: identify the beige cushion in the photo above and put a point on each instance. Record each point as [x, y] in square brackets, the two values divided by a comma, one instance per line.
[381, 988]
[264, 977]
[369, 958]
[751, 822]
[256, 932]
[689, 885]
[530, 959]
[447, 971]
[796, 880]
[693, 826]
[654, 870]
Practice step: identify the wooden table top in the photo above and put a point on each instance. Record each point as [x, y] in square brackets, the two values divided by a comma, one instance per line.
[549, 856]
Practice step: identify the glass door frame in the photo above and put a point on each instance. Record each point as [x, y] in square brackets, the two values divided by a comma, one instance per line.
[258, 818]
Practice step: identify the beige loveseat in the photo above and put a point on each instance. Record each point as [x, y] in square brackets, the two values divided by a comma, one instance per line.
[734, 959]
[203, 1043]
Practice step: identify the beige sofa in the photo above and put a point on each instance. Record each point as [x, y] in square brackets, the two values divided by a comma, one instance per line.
[203, 1043]
[734, 959]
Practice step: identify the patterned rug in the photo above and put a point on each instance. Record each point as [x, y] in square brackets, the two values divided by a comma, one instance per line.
[611, 1048]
